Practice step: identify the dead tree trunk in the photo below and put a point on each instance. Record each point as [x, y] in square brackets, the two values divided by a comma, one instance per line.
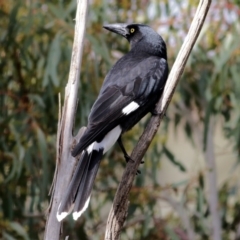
[64, 161]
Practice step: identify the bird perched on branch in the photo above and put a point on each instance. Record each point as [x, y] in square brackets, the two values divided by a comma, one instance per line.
[130, 91]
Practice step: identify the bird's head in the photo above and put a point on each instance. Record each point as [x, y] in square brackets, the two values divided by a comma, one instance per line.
[141, 38]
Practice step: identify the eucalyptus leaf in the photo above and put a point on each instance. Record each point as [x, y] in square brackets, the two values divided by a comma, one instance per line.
[172, 159]
[19, 230]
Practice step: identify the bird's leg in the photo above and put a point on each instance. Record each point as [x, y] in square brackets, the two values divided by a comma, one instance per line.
[126, 156]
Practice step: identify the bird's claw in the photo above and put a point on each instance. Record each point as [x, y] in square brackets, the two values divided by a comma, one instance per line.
[155, 113]
[128, 158]
[138, 172]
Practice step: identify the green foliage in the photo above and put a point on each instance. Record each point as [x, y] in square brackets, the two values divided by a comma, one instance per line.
[36, 42]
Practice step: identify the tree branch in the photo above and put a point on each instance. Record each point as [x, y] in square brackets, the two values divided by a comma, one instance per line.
[212, 182]
[119, 208]
[179, 208]
[64, 161]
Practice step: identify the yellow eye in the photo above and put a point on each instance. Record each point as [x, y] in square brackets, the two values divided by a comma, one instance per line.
[132, 30]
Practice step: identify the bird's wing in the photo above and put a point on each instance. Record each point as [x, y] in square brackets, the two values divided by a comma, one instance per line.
[127, 93]
[127, 85]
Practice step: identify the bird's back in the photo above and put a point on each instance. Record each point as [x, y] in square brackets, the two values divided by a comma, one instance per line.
[140, 78]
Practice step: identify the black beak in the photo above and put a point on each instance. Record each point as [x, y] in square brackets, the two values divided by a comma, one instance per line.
[119, 28]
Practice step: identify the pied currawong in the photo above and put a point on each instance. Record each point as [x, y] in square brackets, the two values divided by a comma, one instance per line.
[130, 90]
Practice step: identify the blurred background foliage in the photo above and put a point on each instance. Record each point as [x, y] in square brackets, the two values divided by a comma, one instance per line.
[169, 199]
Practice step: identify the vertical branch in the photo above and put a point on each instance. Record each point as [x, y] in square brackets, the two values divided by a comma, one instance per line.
[65, 162]
[212, 182]
[119, 208]
[179, 208]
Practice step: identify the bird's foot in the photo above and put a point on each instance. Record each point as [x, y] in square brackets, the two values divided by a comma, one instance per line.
[138, 172]
[155, 113]
[128, 158]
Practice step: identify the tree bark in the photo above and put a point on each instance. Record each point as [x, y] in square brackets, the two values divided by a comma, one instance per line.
[119, 208]
[64, 161]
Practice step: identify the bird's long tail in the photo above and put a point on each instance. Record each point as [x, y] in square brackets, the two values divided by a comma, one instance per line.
[79, 191]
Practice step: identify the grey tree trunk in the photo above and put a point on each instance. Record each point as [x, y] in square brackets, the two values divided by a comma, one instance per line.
[64, 161]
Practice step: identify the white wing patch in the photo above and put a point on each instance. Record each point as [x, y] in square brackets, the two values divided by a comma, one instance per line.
[130, 108]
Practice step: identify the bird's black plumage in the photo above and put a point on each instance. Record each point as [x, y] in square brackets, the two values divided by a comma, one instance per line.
[130, 90]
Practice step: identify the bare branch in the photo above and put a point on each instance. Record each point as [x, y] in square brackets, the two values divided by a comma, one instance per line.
[179, 208]
[64, 161]
[212, 182]
[119, 208]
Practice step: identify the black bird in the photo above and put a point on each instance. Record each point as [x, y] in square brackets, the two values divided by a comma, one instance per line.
[130, 91]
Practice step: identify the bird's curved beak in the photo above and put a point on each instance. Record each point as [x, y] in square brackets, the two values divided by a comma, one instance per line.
[119, 28]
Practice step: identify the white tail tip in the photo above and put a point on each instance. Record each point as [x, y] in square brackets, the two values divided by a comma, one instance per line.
[61, 216]
[76, 215]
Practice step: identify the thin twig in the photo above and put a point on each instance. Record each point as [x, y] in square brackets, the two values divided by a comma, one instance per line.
[119, 208]
[52, 188]
[179, 208]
